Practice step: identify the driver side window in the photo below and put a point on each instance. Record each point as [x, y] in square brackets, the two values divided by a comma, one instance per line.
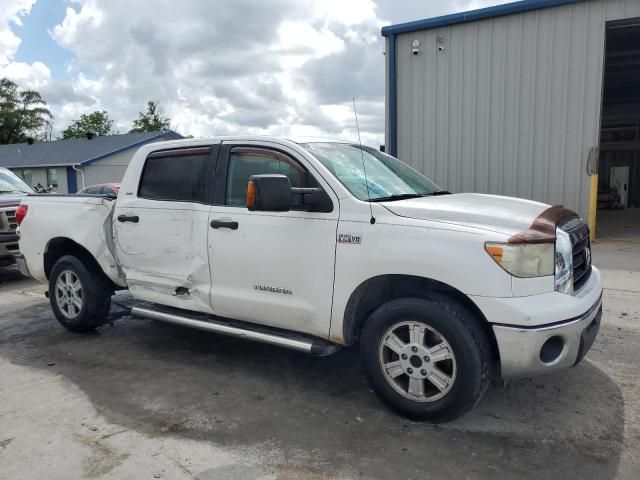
[247, 161]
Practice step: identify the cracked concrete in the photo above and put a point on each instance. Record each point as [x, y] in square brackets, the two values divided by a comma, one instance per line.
[141, 399]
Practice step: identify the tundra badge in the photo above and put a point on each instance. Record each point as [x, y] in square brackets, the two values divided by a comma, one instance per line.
[267, 288]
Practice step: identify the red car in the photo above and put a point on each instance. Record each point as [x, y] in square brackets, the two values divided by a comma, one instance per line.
[102, 189]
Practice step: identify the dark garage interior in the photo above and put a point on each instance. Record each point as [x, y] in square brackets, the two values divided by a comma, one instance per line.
[618, 215]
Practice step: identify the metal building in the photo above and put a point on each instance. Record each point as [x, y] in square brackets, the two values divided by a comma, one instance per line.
[514, 100]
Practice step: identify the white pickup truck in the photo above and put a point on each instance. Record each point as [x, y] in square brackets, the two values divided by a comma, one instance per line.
[314, 245]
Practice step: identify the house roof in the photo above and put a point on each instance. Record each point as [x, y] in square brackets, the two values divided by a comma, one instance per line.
[474, 15]
[75, 151]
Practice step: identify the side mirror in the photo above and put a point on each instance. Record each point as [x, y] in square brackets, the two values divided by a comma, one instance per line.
[269, 193]
[315, 199]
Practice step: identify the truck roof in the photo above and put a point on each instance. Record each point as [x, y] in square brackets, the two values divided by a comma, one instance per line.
[289, 138]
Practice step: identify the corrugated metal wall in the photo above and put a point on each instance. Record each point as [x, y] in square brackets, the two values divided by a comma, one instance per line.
[510, 105]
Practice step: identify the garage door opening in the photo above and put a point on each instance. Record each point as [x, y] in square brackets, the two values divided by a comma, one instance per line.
[618, 202]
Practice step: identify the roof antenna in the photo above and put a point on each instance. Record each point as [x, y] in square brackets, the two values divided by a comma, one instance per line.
[364, 168]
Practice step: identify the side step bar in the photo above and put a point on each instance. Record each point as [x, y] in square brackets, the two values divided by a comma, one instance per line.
[309, 345]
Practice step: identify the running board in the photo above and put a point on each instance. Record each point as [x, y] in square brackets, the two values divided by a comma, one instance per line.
[310, 345]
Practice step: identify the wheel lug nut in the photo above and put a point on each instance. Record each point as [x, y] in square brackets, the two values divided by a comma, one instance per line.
[409, 370]
[423, 372]
[426, 358]
[414, 349]
[404, 356]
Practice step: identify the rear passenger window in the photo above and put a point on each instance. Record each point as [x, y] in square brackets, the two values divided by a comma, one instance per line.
[179, 175]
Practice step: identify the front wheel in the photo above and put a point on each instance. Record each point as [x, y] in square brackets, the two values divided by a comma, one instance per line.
[427, 358]
[80, 296]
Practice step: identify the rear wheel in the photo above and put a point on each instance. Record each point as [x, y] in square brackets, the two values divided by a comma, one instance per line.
[426, 358]
[80, 294]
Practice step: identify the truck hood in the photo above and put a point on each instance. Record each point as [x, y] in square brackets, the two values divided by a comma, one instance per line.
[506, 215]
[11, 199]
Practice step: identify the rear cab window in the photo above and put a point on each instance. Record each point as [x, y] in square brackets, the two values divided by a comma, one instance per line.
[177, 175]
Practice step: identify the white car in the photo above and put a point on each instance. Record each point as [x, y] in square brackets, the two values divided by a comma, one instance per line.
[290, 243]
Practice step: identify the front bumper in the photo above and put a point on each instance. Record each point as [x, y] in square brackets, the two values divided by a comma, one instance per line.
[531, 351]
[21, 263]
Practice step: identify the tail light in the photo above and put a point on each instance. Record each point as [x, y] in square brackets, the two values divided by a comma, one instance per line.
[21, 212]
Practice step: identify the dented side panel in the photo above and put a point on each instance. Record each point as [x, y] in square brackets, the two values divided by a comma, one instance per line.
[84, 220]
[165, 255]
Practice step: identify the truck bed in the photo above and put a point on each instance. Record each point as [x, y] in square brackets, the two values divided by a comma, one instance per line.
[83, 219]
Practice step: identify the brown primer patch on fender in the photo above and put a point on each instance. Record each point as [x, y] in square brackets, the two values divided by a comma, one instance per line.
[543, 228]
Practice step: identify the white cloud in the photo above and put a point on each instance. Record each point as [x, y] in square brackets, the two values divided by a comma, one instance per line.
[219, 67]
[11, 12]
[476, 4]
[34, 76]
[235, 68]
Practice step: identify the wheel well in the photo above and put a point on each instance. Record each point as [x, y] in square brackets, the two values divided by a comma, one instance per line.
[377, 291]
[59, 247]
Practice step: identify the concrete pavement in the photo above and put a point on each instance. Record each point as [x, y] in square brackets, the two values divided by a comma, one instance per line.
[140, 399]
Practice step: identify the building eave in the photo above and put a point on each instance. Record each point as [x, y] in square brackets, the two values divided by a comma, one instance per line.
[474, 15]
[48, 165]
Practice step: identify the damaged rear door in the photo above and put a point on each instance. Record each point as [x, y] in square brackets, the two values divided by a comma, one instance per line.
[162, 228]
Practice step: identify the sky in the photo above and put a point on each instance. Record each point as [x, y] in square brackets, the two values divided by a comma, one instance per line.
[218, 67]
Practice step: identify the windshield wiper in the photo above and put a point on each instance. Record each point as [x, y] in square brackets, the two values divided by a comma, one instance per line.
[402, 196]
[439, 192]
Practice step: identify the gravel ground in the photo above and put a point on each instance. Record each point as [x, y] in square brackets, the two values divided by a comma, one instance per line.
[140, 399]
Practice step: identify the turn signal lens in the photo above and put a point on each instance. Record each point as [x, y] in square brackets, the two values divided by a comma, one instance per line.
[21, 212]
[564, 262]
[251, 195]
[495, 251]
[524, 260]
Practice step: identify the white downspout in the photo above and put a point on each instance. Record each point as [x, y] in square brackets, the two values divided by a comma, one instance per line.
[82, 173]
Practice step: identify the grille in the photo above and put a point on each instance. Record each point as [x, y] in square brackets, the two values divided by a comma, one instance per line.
[579, 233]
[11, 219]
[8, 222]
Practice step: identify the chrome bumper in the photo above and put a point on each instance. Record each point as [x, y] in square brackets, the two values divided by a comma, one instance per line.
[565, 344]
[22, 265]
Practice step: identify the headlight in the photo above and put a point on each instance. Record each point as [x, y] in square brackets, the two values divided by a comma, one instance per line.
[564, 262]
[523, 260]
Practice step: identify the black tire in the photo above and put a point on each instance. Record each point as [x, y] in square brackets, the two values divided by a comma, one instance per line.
[468, 369]
[95, 298]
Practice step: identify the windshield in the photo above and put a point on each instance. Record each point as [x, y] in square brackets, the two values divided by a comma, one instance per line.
[387, 177]
[10, 183]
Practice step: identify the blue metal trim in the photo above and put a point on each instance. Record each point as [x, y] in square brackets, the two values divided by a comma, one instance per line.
[392, 148]
[474, 15]
[137, 144]
[72, 180]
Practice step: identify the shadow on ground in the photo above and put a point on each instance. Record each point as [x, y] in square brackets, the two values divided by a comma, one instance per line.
[166, 380]
[10, 275]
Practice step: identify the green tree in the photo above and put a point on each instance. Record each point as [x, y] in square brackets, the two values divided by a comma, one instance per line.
[23, 113]
[97, 123]
[152, 120]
